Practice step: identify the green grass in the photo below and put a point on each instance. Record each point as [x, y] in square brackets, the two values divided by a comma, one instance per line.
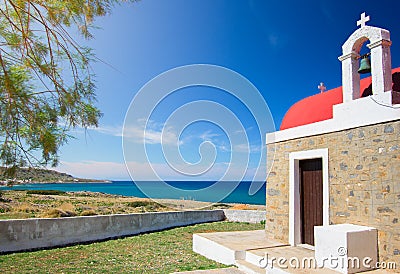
[15, 215]
[145, 205]
[46, 192]
[160, 252]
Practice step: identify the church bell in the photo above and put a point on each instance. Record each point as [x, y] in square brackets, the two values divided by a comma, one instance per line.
[365, 64]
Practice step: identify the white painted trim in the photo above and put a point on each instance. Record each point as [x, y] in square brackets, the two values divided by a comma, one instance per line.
[294, 193]
[361, 112]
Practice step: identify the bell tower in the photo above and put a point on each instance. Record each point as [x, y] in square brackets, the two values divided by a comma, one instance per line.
[381, 64]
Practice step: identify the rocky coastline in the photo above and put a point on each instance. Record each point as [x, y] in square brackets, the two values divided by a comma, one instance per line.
[41, 176]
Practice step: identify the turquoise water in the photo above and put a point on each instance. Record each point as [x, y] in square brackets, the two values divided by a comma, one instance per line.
[190, 190]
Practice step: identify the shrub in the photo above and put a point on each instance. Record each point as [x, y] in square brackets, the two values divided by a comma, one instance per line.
[67, 207]
[26, 207]
[46, 192]
[57, 213]
[4, 208]
[145, 205]
[88, 213]
[221, 205]
[139, 203]
[2, 199]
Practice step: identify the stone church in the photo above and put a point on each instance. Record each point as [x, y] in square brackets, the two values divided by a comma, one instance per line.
[336, 158]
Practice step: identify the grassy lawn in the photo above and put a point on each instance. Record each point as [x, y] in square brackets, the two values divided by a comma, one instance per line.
[160, 252]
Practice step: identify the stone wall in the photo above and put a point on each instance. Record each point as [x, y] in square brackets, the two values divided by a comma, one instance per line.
[364, 182]
[17, 235]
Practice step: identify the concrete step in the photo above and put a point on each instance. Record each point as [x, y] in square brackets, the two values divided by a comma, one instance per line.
[227, 247]
[254, 258]
[228, 270]
[216, 251]
[249, 268]
[274, 255]
[249, 250]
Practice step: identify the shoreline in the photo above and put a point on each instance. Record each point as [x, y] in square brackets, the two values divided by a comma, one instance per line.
[121, 190]
[158, 200]
[193, 204]
[15, 204]
[4, 184]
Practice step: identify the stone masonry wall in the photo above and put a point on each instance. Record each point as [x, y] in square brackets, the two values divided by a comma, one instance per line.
[364, 182]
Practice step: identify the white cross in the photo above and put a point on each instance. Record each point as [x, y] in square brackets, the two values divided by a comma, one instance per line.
[364, 19]
[322, 87]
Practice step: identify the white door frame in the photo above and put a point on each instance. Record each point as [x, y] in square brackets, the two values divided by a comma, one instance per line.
[294, 190]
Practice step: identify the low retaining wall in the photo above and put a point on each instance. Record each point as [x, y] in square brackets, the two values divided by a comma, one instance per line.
[249, 216]
[18, 235]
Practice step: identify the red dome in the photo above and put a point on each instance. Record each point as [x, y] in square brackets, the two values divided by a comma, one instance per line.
[319, 107]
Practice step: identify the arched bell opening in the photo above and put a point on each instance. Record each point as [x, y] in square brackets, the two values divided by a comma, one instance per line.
[396, 81]
[362, 65]
[364, 59]
[364, 62]
[395, 88]
[376, 42]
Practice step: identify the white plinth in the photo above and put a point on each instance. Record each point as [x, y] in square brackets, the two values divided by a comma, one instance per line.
[346, 248]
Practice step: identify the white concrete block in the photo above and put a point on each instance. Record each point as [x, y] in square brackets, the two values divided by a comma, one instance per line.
[346, 248]
[214, 251]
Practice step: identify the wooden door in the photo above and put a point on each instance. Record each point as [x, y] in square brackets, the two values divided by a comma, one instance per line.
[311, 195]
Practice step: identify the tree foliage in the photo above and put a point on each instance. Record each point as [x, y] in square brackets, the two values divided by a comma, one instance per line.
[46, 83]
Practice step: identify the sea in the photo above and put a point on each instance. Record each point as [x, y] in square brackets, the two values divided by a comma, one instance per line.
[244, 192]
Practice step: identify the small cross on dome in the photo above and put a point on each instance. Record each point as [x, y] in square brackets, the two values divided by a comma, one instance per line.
[322, 87]
[364, 19]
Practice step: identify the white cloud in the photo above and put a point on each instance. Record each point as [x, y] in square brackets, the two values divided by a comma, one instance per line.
[247, 148]
[150, 133]
[144, 171]
[241, 131]
[109, 130]
[224, 148]
[95, 170]
[115, 170]
[208, 135]
[273, 40]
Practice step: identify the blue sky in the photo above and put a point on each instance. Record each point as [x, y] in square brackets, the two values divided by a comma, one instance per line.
[284, 48]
